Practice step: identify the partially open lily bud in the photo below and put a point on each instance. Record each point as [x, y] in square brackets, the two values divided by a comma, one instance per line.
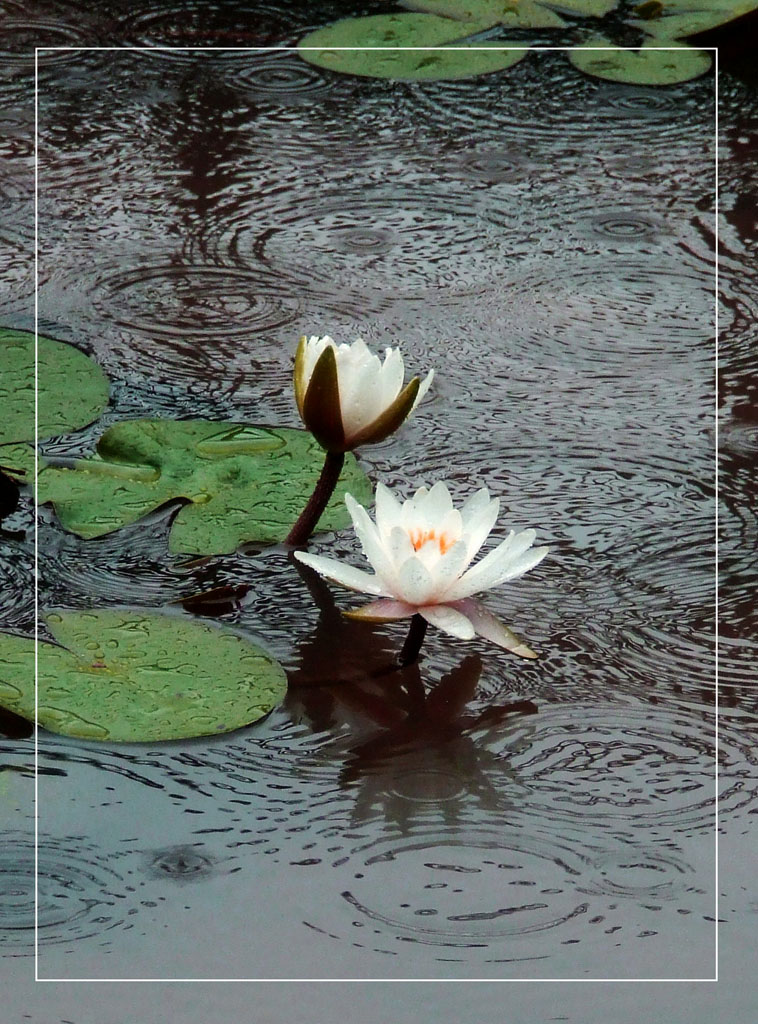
[348, 397]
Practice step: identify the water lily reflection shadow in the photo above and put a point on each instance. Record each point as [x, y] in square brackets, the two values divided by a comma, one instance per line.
[409, 751]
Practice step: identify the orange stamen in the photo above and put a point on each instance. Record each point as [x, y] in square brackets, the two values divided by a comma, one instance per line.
[419, 537]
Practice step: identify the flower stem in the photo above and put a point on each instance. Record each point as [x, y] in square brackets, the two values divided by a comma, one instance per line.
[317, 502]
[413, 641]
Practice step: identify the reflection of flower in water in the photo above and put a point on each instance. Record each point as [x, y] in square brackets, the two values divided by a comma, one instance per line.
[410, 750]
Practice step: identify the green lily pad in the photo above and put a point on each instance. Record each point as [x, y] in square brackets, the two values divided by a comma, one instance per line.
[73, 390]
[324, 48]
[243, 483]
[585, 8]
[130, 676]
[17, 461]
[641, 67]
[516, 14]
[681, 18]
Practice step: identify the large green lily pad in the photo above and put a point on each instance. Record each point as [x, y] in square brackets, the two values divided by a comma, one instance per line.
[131, 676]
[330, 48]
[641, 67]
[73, 390]
[242, 482]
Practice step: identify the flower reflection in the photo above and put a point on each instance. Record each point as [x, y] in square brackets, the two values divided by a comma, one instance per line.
[409, 751]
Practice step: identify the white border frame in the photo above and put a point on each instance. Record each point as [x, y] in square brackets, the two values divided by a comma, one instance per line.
[361, 981]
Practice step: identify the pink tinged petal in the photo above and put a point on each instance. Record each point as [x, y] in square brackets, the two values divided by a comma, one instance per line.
[415, 584]
[342, 573]
[490, 571]
[383, 610]
[449, 619]
[388, 510]
[491, 628]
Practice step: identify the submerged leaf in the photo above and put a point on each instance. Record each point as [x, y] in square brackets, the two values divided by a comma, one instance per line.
[347, 46]
[243, 483]
[647, 66]
[73, 390]
[131, 676]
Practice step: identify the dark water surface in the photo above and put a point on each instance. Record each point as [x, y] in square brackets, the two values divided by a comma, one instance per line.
[546, 242]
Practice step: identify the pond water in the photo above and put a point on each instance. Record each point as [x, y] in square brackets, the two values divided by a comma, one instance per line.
[545, 241]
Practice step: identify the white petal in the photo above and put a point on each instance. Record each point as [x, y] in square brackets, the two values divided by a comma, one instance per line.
[473, 505]
[480, 525]
[451, 526]
[448, 568]
[491, 628]
[496, 566]
[346, 575]
[411, 509]
[424, 386]
[523, 564]
[391, 379]
[388, 510]
[451, 620]
[313, 349]
[360, 397]
[436, 504]
[371, 542]
[399, 546]
[415, 582]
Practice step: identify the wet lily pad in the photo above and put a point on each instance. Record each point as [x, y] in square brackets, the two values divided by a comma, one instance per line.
[17, 461]
[324, 48]
[130, 676]
[641, 67]
[518, 14]
[680, 18]
[242, 482]
[73, 390]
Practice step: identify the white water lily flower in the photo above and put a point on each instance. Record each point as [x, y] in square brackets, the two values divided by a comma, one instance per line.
[421, 553]
[348, 397]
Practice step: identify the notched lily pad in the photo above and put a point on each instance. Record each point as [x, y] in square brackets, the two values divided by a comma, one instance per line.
[329, 48]
[242, 482]
[647, 66]
[134, 677]
[73, 390]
